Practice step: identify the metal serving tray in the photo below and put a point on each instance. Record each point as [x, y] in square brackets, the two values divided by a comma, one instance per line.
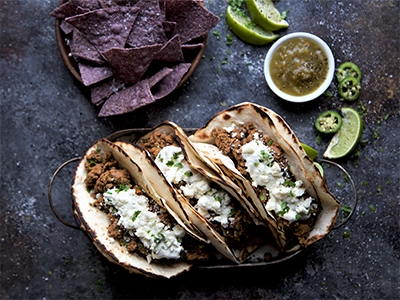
[257, 258]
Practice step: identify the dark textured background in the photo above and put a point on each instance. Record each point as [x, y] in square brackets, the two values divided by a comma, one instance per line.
[47, 118]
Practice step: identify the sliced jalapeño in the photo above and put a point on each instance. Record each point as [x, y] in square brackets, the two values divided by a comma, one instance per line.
[328, 122]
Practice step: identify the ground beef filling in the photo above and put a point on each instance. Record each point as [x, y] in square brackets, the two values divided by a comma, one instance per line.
[230, 143]
[156, 142]
[105, 173]
[240, 233]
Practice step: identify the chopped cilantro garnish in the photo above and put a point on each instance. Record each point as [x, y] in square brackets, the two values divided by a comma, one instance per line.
[346, 210]
[170, 163]
[265, 155]
[232, 212]
[270, 142]
[346, 234]
[361, 107]
[328, 94]
[176, 155]
[318, 140]
[229, 39]
[289, 183]
[92, 162]
[345, 177]
[188, 173]
[284, 209]
[263, 197]
[135, 215]
[122, 187]
[217, 198]
[157, 240]
[217, 34]
[297, 217]
[284, 13]
[379, 192]
[372, 208]
[178, 165]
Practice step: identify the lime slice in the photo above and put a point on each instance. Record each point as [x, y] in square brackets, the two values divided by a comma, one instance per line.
[264, 13]
[311, 152]
[319, 167]
[242, 26]
[346, 139]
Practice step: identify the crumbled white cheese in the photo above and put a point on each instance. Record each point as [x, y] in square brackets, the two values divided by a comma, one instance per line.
[176, 169]
[286, 201]
[136, 217]
[230, 128]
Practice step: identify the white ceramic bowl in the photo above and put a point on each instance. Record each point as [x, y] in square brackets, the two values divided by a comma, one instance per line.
[323, 87]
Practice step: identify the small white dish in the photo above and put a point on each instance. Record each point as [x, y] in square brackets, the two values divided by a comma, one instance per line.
[325, 84]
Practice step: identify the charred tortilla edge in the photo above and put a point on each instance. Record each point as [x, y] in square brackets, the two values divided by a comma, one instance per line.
[94, 222]
[272, 124]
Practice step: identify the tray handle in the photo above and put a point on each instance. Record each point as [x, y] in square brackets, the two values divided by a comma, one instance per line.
[50, 189]
[344, 221]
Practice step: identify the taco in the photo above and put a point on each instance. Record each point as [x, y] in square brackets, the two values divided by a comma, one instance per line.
[258, 150]
[209, 202]
[126, 219]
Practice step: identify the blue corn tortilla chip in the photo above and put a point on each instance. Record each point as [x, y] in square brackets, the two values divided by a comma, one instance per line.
[192, 18]
[168, 84]
[127, 100]
[190, 51]
[112, 3]
[74, 7]
[81, 48]
[169, 28]
[171, 51]
[144, 34]
[106, 28]
[129, 64]
[156, 78]
[103, 90]
[66, 27]
[93, 74]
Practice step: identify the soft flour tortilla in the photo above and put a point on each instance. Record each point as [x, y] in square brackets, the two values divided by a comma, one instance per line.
[94, 222]
[189, 213]
[301, 166]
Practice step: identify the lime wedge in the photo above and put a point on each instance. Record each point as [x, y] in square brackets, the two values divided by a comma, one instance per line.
[319, 167]
[346, 139]
[264, 13]
[311, 152]
[242, 26]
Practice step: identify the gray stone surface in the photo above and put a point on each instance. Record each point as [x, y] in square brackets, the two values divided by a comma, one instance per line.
[47, 118]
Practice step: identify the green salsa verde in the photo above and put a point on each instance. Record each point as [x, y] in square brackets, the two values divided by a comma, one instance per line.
[299, 66]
